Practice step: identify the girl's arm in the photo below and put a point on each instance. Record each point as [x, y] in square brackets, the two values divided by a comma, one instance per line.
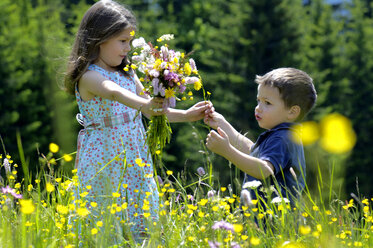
[236, 139]
[94, 84]
[194, 113]
[219, 143]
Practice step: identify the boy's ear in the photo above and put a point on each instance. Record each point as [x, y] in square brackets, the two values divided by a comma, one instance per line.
[294, 112]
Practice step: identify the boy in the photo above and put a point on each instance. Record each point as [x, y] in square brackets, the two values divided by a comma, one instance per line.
[285, 96]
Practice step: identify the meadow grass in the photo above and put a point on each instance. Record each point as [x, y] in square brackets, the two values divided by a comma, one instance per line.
[40, 211]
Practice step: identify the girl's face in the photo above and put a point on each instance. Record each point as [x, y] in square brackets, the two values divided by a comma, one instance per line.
[271, 109]
[114, 50]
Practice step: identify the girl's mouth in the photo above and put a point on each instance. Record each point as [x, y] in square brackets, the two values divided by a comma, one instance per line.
[257, 117]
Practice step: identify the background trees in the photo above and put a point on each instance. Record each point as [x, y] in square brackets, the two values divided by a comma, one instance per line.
[232, 41]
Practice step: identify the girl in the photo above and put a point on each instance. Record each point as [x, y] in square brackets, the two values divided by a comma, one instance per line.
[112, 157]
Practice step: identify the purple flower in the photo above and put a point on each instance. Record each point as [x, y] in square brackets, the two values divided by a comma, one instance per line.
[214, 244]
[223, 225]
[164, 51]
[201, 171]
[9, 190]
[172, 76]
[155, 84]
[182, 88]
[235, 245]
[160, 181]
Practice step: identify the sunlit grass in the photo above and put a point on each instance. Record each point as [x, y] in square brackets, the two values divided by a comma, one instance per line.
[44, 212]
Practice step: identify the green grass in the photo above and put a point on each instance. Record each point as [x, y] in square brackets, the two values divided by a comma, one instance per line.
[189, 215]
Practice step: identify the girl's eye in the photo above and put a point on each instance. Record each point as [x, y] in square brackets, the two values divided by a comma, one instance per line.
[267, 103]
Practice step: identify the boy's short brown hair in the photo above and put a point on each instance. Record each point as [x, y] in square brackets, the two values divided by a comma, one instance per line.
[295, 86]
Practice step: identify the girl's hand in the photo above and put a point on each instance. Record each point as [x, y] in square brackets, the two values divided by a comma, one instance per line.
[214, 119]
[198, 111]
[218, 142]
[153, 107]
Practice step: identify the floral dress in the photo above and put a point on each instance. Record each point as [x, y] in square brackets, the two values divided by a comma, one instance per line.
[112, 159]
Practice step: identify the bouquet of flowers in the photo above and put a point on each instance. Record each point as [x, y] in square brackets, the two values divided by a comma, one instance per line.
[164, 73]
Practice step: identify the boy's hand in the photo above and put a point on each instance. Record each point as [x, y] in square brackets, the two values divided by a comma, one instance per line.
[218, 142]
[198, 110]
[214, 119]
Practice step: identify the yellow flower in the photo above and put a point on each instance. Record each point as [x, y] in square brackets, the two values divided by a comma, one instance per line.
[116, 194]
[169, 172]
[99, 223]
[203, 202]
[223, 189]
[304, 230]
[169, 93]
[337, 134]
[49, 187]
[29, 187]
[187, 69]
[62, 209]
[27, 207]
[132, 33]
[93, 204]
[244, 237]
[197, 85]
[94, 231]
[67, 157]
[83, 212]
[53, 147]
[237, 228]
[307, 133]
[254, 241]
[146, 215]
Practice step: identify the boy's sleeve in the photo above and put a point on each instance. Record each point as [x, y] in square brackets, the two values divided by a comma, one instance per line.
[276, 152]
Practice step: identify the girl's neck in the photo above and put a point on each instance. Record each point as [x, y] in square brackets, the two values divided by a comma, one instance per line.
[105, 66]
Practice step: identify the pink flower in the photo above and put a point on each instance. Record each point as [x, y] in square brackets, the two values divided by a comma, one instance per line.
[191, 80]
[193, 64]
[223, 225]
[9, 190]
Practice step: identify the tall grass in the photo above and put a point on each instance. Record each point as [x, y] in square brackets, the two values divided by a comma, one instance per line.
[197, 214]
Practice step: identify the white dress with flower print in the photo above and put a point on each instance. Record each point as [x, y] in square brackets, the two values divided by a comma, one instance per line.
[110, 149]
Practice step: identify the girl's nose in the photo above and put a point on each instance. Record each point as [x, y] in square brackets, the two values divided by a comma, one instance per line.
[257, 108]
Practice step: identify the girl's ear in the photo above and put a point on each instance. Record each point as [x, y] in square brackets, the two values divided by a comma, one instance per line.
[294, 112]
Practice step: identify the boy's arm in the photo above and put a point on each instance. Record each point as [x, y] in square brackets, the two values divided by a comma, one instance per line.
[219, 143]
[236, 139]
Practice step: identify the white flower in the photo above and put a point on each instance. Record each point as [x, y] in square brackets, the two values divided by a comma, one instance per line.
[6, 165]
[191, 80]
[167, 37]
[246, 198]
[278, 200]
[252, 185]
[140, 42]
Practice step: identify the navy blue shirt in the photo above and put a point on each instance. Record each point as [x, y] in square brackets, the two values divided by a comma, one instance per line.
[277, 147]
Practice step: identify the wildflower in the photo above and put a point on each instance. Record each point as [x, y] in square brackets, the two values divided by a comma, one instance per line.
[278, 200]
[94, 231]
[62, 209]
[306, 134]
[252, 184]
[338, 135]
[99, 223]
[6, 165]
[54, 148]
[167, 37]
[214, 244]
[169, 93]
[304, 230]
[201, 171]
[83, 212]
[140, 42]
[237, 228]
[254, 241]
[223, 225]
[211, 193]
[193, 66]
[67, 157]
[198, 85]
[27, 207]
[169, 172]
[159, 179]
[9, 190]
[49, 187]
[132, 33]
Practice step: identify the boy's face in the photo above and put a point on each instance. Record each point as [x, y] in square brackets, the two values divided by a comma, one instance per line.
[270, 110]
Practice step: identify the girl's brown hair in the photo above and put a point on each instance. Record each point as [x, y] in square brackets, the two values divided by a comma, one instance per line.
[103, 20]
